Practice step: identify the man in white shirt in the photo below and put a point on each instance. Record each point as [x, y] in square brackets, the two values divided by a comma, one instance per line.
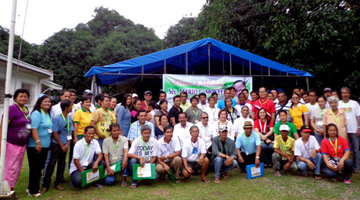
[56, 109]
[143, 150]
[205, 132]
[181, 130]
[312, 104]
[242, 103]
[239, 122]
[307, 150]
[193, 154]
[83, 157]
[352, 112]
[202, 104]
[212, 110]
[168, 156]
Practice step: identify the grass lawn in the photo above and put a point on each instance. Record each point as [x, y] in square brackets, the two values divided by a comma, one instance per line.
[235, 187]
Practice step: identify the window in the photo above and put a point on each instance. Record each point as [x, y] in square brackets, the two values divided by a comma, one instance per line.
[31, 89]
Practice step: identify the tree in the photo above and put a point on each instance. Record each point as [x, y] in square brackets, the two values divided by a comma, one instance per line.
[180, 33]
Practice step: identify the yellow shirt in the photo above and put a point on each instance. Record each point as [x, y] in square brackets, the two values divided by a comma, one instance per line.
[103, 120]
[285, 147]
[185, 107]
[83, 119]
[113, 113]
[297, 113]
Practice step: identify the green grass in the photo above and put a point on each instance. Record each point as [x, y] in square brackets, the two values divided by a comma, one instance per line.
[235, 187]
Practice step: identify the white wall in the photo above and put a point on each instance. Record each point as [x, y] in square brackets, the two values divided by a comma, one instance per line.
[16, 84]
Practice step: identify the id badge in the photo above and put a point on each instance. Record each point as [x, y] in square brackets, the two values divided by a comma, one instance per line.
[69, 137]
[348, 118]
[319, 123]
[115, 158]
[196, 121]
[49, 130]
[85, 163]
[194, 151]
[214, 119]
[247, 153]
[147, 159]
[28, 126]
[106, 125]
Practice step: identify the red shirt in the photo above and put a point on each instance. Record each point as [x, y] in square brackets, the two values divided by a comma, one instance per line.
[327, 148]
[144, 106]
[268, 105]
[264, 127]
[249, 102]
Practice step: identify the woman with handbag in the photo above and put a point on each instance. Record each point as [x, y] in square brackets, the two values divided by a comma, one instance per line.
[265, 128]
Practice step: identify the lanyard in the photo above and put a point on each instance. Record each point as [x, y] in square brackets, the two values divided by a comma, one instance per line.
[196, 114]
[262, 129]
[47, 117]
[68, 122]
[145, 104]
[308, 146]
[197, 144]
[347, 105]
[335, 147]
[145, 149]
[87, 146]
[168, 148]
[232, 111]
[261, 104]
[117, 143]
[335, 118]
[213, 112]
[97, 106]
[107, 116]
[321, 113]
[248, 141]
[26, 116]
[283, 145]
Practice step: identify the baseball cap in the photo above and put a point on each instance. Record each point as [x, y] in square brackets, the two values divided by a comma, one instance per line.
[305, 128]
[147, 92]
[327, 89]
[284, 127]
[87, 91]
[222, 128]
[134, 95]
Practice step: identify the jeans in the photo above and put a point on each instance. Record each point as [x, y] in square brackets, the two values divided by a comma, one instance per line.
[354, 145]
[109, 180]
[36, 164]
[303, 166]
[348, 166]
[76, 175]
[57, 155]
[100, 143]
[319, 138]
[219, 163]
[266, 152]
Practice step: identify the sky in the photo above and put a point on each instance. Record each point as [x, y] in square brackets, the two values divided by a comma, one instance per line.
[46, 17]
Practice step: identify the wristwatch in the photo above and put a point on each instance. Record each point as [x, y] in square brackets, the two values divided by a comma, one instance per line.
[257, 157]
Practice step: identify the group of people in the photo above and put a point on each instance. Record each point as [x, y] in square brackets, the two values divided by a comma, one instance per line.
[305, 132]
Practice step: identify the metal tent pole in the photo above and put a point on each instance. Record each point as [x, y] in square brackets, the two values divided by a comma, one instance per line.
[230, 65]
[307, 83]
[209, 57]
[7, 96]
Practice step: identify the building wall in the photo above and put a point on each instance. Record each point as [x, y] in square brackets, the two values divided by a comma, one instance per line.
[19, 80]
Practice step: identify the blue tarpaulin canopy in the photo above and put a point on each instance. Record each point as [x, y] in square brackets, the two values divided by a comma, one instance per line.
[202, 57]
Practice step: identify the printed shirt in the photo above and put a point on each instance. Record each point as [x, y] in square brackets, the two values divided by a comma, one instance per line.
[143, 149]
[17, 133]
[352, 110]
[103, 120]
[285, 147]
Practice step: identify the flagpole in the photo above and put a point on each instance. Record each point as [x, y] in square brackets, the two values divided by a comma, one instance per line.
[7, 96]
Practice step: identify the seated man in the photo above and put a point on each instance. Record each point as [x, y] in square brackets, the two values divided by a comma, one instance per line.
[224, 154]
[307, 150]
[283, 155]
[181, 130]
[143, 150]
[168, 156]
[115, 149]
[83, 157]
[248, 147]
[194, 155]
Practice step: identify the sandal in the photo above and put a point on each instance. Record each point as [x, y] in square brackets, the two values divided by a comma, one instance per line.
[124, 184]
[205, 180]
[217, 180]
[177, 181]
[225, 175]
[277, 174]
[317, 177]
[97, 185]
[186, 179]
[133, 186]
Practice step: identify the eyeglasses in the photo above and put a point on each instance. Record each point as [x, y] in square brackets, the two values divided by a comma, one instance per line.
[205, 117]
[183, 96]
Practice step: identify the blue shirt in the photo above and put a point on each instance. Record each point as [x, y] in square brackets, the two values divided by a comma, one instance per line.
[221, 103]
[40, 122]
[123, 119]
[135, 130]
[243, 143]
[60, 127]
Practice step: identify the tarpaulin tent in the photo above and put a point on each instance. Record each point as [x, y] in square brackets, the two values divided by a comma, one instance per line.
[202, 57]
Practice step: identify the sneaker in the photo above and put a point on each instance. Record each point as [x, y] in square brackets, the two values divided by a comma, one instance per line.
[335, 179]
[59, 187]
[347, 182]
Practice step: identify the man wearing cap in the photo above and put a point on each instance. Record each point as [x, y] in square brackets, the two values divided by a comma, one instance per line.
[248, 147]
[134, 96]
[88, 93]
[224, 154]
[327, 92]
[307, 150]
[283, 155]
[147, 99]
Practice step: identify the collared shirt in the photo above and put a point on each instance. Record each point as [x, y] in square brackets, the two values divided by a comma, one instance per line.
[103, 119]
[304, 149]
[213, 114]
[56, 110]
[328, 148]
[174, 112]
[248, 144]
[202, 107]
[228, 124]
[239, 124]
[188, 149]
[193, 115]
[60, 127]
[182, 133]
[83, 119]
[279, 107]
[40, 122]
[268, 105]
[78, 106]
[311, 108]
[185, 106]
[292, 129]
[285, 147]
[341, 122]
[298, 115]
[135, 130]
[165, 149]
[115, 150]
[85, 153]
[229, 147]
[238, 108]
[205, 132]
